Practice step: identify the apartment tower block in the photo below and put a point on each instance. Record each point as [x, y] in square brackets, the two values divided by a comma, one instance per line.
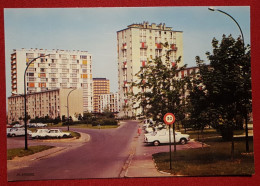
[100, 86]
[54, 70]
[136, 45]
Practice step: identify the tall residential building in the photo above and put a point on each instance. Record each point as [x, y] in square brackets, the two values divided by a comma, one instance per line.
[60, 69]
[100, 86]
[51, 102]
[136, 45]
[108, 102]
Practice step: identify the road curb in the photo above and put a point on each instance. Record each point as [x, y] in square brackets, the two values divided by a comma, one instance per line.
[123, 173]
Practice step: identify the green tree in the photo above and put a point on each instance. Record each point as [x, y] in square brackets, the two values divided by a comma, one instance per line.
[198, 106]
[227, 83]
[80, 117]
[107, 113]
[160, 91]
[87, 116]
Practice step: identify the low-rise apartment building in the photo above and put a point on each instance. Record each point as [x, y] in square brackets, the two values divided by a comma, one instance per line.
[52, 103]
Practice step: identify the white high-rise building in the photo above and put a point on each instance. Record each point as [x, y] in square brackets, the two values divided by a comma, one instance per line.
[137, 44]
[60, 69]
[108, 102]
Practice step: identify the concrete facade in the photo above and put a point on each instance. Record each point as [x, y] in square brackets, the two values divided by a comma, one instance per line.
[100, 86]
[108, 102]
[136, 45]
[61, 69]
[52, 103]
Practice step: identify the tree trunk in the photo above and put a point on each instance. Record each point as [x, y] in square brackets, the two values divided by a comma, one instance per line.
[202, 138]
[246, 128]
[232, 148]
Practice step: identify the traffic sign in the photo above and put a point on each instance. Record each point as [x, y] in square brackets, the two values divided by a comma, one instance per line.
[169, 118]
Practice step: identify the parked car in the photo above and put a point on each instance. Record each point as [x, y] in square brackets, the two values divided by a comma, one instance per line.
[41, 125]
[154, 127]
[37, 125]
[49, 133]
[8, 130]
[31, 125]
[17, 132]
[162, 136]
[40, 133]
[57, 133]
[17, 126]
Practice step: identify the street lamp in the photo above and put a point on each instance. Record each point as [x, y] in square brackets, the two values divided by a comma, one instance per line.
[25, 113]
[68, 108]
[213, 9]
[246, 117]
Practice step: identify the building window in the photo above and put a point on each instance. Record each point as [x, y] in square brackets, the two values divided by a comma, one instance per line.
[83, 57]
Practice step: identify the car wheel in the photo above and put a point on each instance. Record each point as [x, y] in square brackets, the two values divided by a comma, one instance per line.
[183, 141]
[156, 143]
[13, 135]
[64, 136]
[37, 137]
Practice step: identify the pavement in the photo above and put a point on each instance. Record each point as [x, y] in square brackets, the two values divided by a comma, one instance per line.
[140, 162]
[26, 161]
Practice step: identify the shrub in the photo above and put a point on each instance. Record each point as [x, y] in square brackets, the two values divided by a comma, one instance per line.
[109, 121]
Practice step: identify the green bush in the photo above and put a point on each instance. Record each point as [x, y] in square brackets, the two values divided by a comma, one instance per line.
[101, 122]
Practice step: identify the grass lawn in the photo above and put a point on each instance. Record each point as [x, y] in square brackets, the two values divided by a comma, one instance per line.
[89, 126]
[20, 152]
[208, 133]
[209, 161]
[74, 134]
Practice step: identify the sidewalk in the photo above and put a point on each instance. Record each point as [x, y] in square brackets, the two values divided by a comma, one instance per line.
[140, 162]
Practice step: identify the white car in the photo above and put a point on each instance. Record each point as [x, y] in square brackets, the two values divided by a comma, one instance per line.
[57, 133]
[153, 128]
[17, 132]
[49, 133]
[40, 133]
[162, 136]
[41, 125]
[17, 126]
[37, 125]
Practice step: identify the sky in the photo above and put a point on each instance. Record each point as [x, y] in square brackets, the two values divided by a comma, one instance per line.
[95, 30]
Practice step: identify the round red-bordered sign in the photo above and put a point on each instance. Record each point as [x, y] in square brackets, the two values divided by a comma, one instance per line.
[169, 118]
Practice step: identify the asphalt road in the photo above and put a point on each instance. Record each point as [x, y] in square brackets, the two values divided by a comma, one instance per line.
[102, 157]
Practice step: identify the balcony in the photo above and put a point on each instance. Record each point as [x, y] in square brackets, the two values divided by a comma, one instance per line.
[158, 46]
[124, 47]
[125, 85]
[124, 66]
[143, 45]
[173, 47]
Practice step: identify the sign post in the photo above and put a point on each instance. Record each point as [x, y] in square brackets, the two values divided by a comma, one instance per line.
[169, 119]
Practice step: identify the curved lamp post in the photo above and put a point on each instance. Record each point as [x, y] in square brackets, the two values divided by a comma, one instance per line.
[213, 9]
[68, 108]
[25, 113]
[246, 117]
